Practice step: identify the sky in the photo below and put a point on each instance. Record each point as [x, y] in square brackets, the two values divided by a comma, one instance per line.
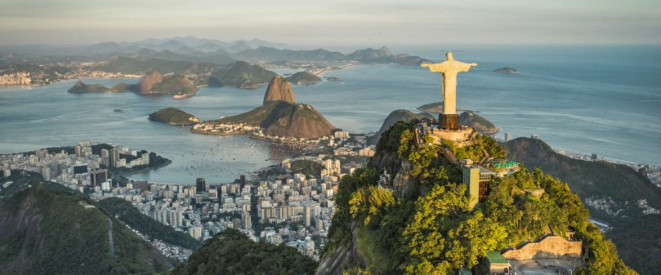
[313, 22]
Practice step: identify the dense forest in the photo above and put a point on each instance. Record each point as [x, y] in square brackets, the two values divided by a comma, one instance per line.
[432, 230]
[232, 252]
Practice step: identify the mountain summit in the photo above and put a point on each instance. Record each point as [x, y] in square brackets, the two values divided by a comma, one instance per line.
[281, 116]
[279, 90]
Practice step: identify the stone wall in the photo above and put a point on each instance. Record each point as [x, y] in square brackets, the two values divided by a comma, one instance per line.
[461, 136]
[548, 247]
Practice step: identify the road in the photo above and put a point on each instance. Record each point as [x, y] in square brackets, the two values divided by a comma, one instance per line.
[110, 240]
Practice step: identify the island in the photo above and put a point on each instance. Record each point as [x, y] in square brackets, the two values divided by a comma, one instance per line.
[81, 87]
[173, 116]
[432, 108]
[152, 84]
[304, 78]
[480, 124]
[506, 70]
[172, 84]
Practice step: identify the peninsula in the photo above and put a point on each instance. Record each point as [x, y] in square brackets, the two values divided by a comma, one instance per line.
[304, 78]
[280, 118]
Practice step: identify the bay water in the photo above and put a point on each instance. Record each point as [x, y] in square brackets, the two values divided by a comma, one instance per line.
[590, 99]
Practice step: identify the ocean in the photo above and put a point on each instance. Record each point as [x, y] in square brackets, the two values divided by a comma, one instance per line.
[587, 99]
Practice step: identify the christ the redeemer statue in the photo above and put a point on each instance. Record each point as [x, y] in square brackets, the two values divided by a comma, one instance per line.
[449, 68]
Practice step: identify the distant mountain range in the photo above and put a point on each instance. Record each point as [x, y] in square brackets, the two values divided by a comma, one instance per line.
[195, 50]
[181, 45]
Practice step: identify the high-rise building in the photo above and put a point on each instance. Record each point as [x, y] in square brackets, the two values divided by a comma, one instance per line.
[98, 176]
[195, 232]
[45, 173]
[105, 158]
[242, 181]
[141, 184]
[176, 217]
[80, 169]
[200, 185]
[114, 157]
[308, 215]
[508, 136]
[477, 180]
[213, 193]
[246, 222]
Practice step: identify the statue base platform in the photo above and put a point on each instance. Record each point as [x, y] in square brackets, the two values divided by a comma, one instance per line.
[449, 121]
[462, 136]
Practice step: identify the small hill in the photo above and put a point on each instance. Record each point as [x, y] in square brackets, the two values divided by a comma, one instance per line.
[433, 108]
[506, 70]
[81, 87]
[480, 124]
[47, 231]
[418, 219]
[148, 82]
[371, 55]
[384, 55]
[231, 252]
[175, 85]
[124, 211]
[635, 234]
[155, 83]
[392, 118]
[298, 121]
[241, 75]
[173, 116]
[279, 90]
[280, 118]
[594, 180]
[304, 78]
[467, 118]
[638, 243]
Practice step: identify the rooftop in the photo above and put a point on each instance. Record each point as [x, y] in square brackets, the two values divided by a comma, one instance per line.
[495, 258]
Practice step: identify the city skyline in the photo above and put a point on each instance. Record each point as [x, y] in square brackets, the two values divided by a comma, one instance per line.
[334, 23]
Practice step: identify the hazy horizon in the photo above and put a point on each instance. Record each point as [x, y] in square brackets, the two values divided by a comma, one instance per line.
[313, 24]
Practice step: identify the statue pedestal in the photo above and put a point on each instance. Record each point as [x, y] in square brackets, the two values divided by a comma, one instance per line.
[462, 136]
[449, 121]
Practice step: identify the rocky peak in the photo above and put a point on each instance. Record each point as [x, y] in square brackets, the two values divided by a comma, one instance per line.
[279, 90]
[149, 81]
[384, 52]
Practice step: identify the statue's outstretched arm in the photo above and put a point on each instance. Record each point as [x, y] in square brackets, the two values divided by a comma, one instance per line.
[425, 65]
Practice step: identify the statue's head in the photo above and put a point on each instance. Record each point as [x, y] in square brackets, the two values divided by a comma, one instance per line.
[449, 56]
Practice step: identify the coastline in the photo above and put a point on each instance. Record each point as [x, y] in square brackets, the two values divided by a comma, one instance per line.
[86, 77]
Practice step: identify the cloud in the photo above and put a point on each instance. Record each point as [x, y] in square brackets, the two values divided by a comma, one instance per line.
[384, 21]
